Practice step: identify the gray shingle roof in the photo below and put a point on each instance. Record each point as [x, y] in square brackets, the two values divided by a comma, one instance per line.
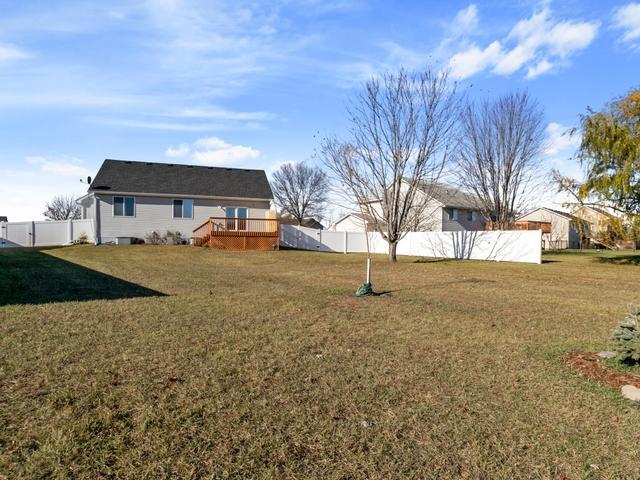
[453, 197]
[177, 179]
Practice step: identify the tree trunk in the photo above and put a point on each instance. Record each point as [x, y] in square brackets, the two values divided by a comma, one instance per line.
[392, 252]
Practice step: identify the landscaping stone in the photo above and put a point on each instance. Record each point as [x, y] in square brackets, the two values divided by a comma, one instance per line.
[606, 354]
[631, 392]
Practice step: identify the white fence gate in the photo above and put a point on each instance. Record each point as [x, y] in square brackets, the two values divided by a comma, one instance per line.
[44, 233]
[500, 246]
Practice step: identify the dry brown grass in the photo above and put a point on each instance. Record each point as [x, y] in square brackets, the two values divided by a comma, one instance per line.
[263, 365]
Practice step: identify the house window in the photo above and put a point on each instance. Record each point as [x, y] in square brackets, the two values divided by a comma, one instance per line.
[124, 206]
[183, 208]
[471, 216]
[236, 218]
[453, 214]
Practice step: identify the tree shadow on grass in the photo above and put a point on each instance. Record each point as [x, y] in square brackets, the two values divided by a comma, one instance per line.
[632, 259]
[29, 276]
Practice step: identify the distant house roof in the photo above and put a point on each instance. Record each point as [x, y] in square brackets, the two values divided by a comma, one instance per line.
[3, 218]
[307, 222]
[177, 179]
[566, 215]
[597, 210]
[365, 219]
[451, 196]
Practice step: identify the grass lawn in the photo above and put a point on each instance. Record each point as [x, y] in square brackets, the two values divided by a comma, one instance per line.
[182, 362]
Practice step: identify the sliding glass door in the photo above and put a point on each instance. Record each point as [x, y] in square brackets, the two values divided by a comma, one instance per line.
[236, 218]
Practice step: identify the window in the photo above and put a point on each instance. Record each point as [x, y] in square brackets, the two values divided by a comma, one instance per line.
[183, 208]
[471, 216]
[124, 206]
[236, 218]
[453, 214]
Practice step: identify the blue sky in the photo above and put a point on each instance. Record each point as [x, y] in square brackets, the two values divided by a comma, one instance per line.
[254, 84]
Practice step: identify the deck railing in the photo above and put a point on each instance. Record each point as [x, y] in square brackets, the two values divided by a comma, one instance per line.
[238, 233]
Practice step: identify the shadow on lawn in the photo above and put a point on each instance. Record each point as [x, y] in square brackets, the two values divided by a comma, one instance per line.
[631, 259]
[29, 276]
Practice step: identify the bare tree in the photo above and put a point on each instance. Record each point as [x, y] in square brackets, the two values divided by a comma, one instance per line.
[62, 208]
[499, 157]
[300, 190]
[400, 136]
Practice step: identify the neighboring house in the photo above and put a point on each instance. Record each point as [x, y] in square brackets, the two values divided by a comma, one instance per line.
[131, 199]
[351, 222]
[309, 222]
[447, 209]
[565, 228]
[596, 218]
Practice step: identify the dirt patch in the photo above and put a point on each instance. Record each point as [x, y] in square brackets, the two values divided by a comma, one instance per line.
[590, 365]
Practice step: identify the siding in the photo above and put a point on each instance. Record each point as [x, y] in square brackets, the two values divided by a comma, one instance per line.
[562, 228]
[156, 213]
[350, 223]
[461, 224]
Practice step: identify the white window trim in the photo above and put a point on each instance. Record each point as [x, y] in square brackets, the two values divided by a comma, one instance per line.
[124, 210]
[453, 217]
[193, 205]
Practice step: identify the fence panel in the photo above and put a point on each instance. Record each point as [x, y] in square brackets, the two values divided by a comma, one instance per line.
[15, 234]
[502, 246]
[44, 233]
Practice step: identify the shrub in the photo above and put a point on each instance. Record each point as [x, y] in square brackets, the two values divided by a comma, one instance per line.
[626, 337]
[154, 238]
[175, 238]
[83, 239]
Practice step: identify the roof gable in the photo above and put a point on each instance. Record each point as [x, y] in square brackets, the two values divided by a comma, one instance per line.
[559, 213]
[178, 179]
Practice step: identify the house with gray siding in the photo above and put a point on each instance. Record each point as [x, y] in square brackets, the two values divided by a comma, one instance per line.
[447, 209]
[129, 200]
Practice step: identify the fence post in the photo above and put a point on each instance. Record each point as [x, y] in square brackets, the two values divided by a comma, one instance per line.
[32, 234]
[346, 246]
[3, 234]
[320, 239]
[69, 231]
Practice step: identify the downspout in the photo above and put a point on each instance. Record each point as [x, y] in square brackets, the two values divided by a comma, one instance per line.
[96, 220]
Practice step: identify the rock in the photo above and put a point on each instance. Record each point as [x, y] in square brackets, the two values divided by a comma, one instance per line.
[606, 354]
[631, 392]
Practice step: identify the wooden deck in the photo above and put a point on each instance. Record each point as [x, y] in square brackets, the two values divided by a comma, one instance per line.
[236, 233]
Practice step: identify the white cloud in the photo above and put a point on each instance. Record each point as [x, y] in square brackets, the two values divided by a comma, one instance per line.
[627, 19]
[214, 151]
[59, 166]
[225, 114]
[541, 67]
[154, 125]
[560, 139]
[210, 143]
[465, 20]
[474, 60]
[539, 43]
[9, 52]
[179, 151]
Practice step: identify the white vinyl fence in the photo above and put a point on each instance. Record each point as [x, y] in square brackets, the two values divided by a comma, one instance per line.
[44, 233]
[501, 246]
